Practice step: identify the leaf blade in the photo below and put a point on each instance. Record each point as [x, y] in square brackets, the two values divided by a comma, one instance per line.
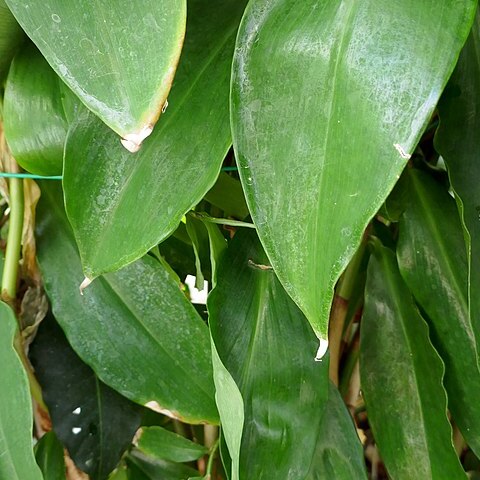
[94, 422]
[158, 442]
[262, 338]
[177, 165]
[433, 262]
[16, 453]
[398, 361]
[130, 300]
[116, 45]
[313, 77]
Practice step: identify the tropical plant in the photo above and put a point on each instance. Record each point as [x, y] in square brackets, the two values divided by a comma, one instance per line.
[338, 239]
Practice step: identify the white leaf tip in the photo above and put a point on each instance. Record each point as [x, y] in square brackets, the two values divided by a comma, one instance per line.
[322, 350]
[133, 141]
[86, 282]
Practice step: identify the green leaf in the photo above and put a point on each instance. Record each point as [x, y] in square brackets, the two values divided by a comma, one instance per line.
[121, 206]
[231, 408]
[433, 262]
[11, 36]
[49, 456]
[338, 454]
[34, 116]
[94, 422]
[401, 377]
[159, 469]
[457, 141]
[135, 328]
[265, 343]
[328, 101]
[109, 55]
[157, 442]
[227, 194]
[16, 453]
[199, 238]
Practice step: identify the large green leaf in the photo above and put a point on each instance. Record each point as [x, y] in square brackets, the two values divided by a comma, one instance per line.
[329, 99]
[119, 58]
[34, 116]
[265, 343]
[16, 453]
[457, 141]
[433, 261]
[94, 422]
[11, 35]
[135, 328]
[49, 456]
[401, 377]
[121, 206]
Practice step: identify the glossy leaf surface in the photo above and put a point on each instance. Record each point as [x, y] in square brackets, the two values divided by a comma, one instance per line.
[16, 454]
[401, 377]
[121, 205]
[327, 105]
[94, 422]
[457, 141]
[49, 456]
[433, 261]
[109, 54]
[135, 328]
[11, 36]
[34, 116]
[157, 442]
[265, 343]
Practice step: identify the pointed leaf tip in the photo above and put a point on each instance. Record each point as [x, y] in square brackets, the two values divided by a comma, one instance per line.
[86, 282]
[133, 141]
[322, 350]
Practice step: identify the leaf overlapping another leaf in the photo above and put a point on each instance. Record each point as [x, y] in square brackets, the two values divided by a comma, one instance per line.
[327, 104]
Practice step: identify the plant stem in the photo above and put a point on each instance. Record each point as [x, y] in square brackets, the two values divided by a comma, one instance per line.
[10, 270]
[14, 241]
[213, 451]
[210, 433]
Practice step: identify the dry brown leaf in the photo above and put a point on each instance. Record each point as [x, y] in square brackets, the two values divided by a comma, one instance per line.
[30, 267]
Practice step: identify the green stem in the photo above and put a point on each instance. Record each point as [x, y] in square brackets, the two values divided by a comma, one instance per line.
[14, 241]
[213, 451]
[10, 273]
[221, 221]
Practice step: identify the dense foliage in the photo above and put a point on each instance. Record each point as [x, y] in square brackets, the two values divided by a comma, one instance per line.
[313, 166]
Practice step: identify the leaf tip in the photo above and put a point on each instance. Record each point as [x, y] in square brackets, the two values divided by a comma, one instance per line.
[322, 350]
[86, 282]
[133, 141]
